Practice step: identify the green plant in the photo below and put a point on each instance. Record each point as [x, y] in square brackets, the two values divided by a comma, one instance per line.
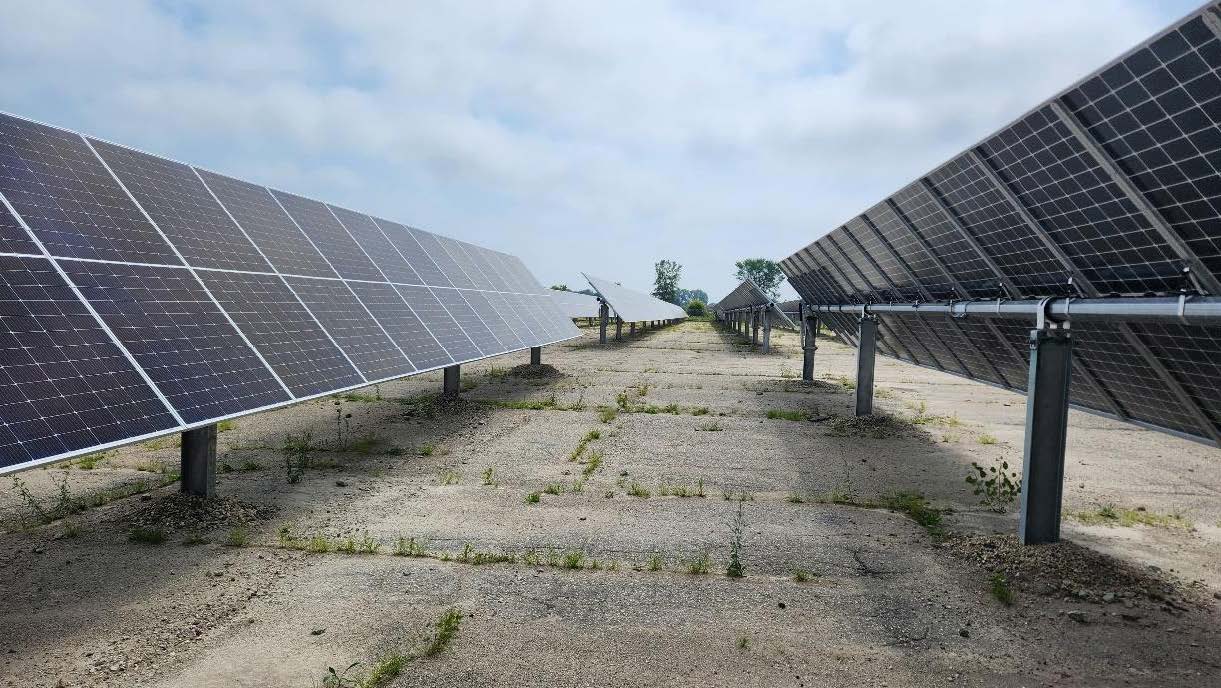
[780, 414]
[1111, 515]
[916, 507]
[1000, 589]
[90, 461]
[489, 476]
[449, 477]
[592, 463]
[655, 562]
[796, 498]
[997, 486]
[318, 545]
[238, 537]
[606, 415]
[408, 547]
[700, 411]
[802, 575]
[638, 490]
[226, 425]
[296, 450]
[445, 629]
[737, 530]
[700, 564]
[554, 489]
[147, 536]
[743, 642]
[573, 560]
[533, 498]
[987, 439]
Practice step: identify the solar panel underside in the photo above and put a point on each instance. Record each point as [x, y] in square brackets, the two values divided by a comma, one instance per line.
[1111, 187]
[140, 296]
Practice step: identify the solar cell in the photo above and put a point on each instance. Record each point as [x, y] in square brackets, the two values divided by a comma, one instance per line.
[181, 340]
[531, 331]
[468, 320]
[441, 258]
[575, 304]
[491, 271]
[492, 317]
[413, 253]
[283, 331]
[69, 200]
[342, 315]
[440, 323]
[375, 244]
[13, 237]
[183, 209]
[401, 323]
[468, 266]
[268, 226]
[64, 386]
[331, 239]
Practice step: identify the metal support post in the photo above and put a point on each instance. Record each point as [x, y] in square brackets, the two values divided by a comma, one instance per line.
[453, 381]
[618, 329]
[767, 331]
[866, 355]
[809, 333]
[754, 327]
[603, 316]
[1051, 353]
[199, 461]
[536, 355]
[631, 328]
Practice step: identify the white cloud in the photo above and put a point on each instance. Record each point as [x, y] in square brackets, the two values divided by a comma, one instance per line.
[579, 135]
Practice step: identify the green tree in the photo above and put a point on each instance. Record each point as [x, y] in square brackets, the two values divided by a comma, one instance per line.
[766, 274]
[560, 287]
[665, 286]
[696, 308]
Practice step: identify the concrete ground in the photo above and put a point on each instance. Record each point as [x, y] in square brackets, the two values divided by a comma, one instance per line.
[568, 518]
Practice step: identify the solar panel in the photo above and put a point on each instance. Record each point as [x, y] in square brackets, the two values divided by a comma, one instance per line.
[633, 306]
[140, 296]
[1110, 188]
[575, 304]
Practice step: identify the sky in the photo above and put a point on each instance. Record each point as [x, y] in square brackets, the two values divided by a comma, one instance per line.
[580, 136]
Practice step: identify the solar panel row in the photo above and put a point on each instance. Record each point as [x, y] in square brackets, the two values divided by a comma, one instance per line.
[748, 295]
[575, 304]
[140, 295]
[634, 306]
[1112, 187]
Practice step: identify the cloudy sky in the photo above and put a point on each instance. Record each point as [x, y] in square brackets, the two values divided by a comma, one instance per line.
[582, 136]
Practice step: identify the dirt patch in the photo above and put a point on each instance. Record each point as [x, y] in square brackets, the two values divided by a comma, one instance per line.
[1065, 569]
[535, 372]
[879, 426]
[188, 512]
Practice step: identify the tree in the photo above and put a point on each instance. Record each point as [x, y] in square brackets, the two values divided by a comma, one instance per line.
[696, 308]
[686, 296]
[560, 287]
[665, 286]
[766, 274]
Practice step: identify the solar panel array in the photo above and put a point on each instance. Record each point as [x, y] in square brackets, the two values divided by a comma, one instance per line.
[140, 296]
[574, 304]
[748, 295]
[633, 306]
[1112, 187]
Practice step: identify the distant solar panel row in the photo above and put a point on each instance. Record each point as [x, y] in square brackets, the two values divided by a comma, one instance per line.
[634, 306]
[140, 296]
[1112, 187]
[748, 295]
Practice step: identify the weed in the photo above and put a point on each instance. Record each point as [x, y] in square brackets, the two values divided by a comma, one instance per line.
[578, 486]
[606, 415]
[449, 477]
[146, 536]
[796, 498]
[656, 562]
[709, 426]
[592, 463]
[737, 530]
[368, 545]
[296, 450]
[408, 547]
[90, 461]
[699, 566]
[743, 642]
[803, 575]
[249, 466]
[347, 546]
[427, 449]
[238, 537]
[1111, 515]
[915, 506]
[489, 476]
[152, 467]
[318, 545]
[779, 414]
[573, 560]
[554, 489]
[638, 490]
[386, 670]
[1000, 589]
[987, 439]
[226, 425]
[533, 498]
[446, 628]
[72, 529]
[701, 411]
[997, 486]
